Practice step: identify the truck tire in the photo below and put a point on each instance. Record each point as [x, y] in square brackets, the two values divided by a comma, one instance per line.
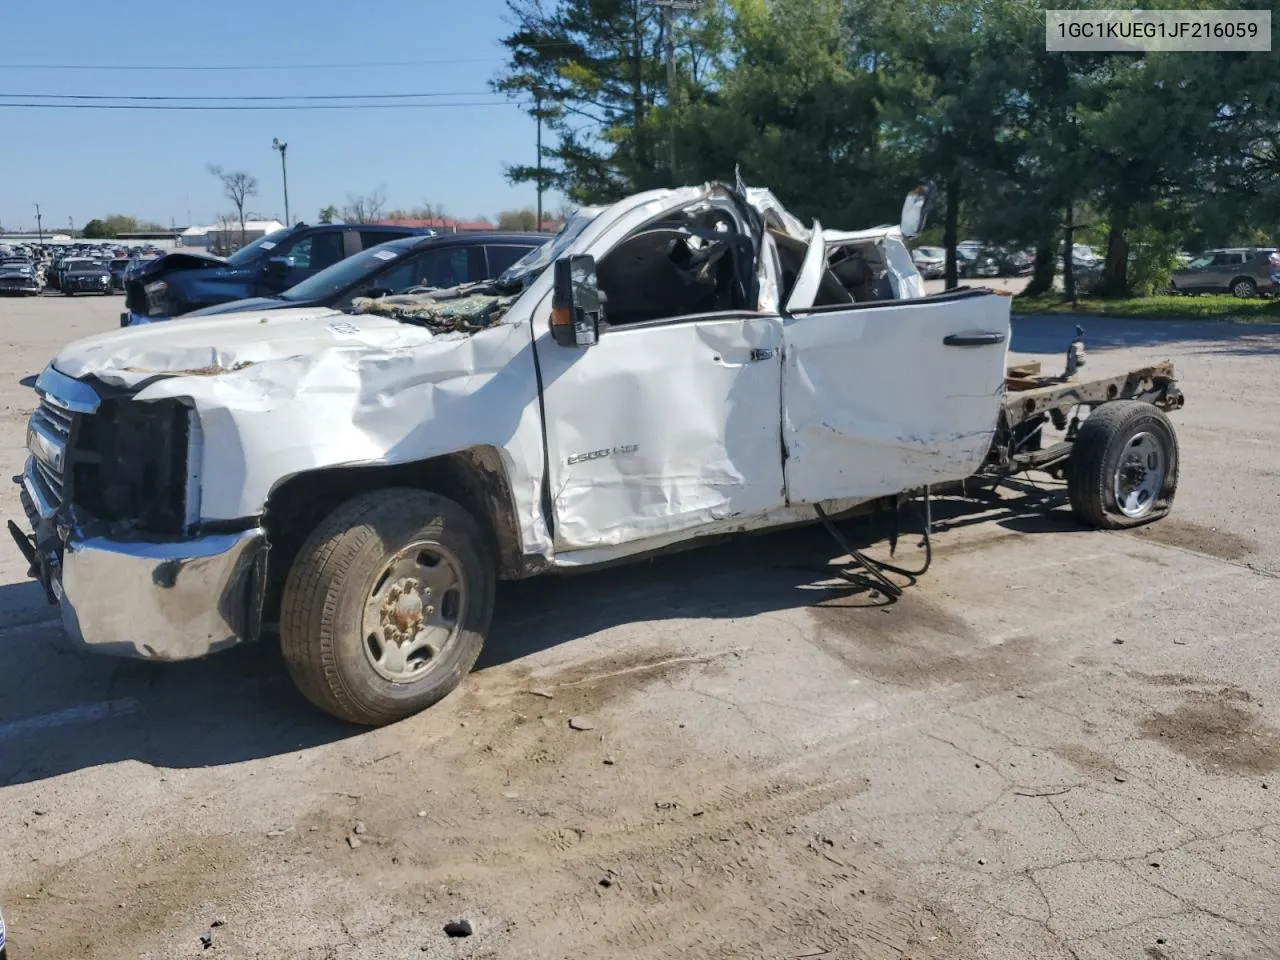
[387, 605]
[1123, 469]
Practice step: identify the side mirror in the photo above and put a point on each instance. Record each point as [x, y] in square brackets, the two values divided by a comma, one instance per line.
[576, 308]
[279, 264]
[915, 210]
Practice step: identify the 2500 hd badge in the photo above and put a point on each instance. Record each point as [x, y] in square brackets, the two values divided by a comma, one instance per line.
[601, 454]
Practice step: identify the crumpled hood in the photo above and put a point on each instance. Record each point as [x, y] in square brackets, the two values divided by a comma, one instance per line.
[228, 343]
[172, 262]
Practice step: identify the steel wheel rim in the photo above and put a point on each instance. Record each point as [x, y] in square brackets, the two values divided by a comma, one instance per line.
[414, 612]
[1140, 475]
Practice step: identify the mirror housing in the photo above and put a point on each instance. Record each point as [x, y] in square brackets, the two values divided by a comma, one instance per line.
[576, 304]
[279, 264]
[915, 210]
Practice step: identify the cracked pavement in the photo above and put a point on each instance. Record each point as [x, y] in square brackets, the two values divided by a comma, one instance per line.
[1059, 744]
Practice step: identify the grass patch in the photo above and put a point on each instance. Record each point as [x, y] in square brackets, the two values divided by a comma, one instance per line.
[1204, 307]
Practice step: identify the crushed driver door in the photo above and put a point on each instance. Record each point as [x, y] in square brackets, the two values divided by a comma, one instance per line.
[881, 397]
[662, 427]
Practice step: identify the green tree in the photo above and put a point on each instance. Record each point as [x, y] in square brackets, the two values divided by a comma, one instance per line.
[593, 70]
[96, 230]
[787, 103]
[328, 214]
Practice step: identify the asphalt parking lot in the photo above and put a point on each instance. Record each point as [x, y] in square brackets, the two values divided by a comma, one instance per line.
[1059, 744]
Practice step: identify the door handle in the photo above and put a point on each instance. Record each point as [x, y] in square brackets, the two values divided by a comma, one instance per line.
[978, 338]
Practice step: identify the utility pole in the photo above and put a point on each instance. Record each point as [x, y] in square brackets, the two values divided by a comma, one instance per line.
[669, 9]
[537, 112]
[39, 225]
[72, 224]
[277, 144]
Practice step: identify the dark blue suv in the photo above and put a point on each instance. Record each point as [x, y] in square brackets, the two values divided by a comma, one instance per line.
[183, 281]
[395, 267]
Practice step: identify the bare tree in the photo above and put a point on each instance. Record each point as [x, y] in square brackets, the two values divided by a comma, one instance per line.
[432, 211]
[222, 237]
[362, 208]
[524, 219]
[238, 187]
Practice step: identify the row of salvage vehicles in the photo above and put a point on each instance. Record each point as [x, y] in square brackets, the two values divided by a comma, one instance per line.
[681, 364]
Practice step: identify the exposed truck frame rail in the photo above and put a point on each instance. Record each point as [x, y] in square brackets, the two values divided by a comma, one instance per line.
[1033, 401]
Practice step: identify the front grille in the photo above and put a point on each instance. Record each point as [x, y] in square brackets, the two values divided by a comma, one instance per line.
[50, 482]
[110, 457]
[57, 424]
[55, 418]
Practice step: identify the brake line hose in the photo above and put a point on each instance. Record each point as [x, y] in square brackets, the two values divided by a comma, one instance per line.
[878, 568]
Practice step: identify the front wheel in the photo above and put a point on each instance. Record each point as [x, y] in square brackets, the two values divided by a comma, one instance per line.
[387, 605]
[1123, 469]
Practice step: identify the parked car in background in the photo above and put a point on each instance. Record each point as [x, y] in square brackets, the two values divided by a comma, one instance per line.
[86, 276]
[1242, 271]
[978, 262]
[396, 267]
[1083, 255]
[118, 266]
[181, 282]
[930, 261]
[65, 266]
[19, 275]
[1012, 262]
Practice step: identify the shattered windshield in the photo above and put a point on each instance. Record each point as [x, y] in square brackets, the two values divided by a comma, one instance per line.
[533, 263]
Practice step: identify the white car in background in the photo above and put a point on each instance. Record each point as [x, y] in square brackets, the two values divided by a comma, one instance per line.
[930, 261]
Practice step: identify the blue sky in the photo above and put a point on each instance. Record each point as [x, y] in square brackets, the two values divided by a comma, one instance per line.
[81, 164]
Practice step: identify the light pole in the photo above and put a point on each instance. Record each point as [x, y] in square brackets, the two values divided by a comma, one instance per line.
[278, 144]
[39, 225]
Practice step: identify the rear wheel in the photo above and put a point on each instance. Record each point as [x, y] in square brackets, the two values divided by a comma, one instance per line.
[387, 605]
[1123, 470]
[1244, 287]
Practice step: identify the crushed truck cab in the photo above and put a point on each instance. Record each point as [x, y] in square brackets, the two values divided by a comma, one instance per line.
[682, 364]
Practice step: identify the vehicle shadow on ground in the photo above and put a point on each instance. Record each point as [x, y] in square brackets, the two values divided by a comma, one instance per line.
[1049, 334]
[62, 711]
[747, 576]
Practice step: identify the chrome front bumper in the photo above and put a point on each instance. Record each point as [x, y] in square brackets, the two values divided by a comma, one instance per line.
[176, 599]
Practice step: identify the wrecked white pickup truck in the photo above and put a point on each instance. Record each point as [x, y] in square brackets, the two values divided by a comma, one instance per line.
[682, 364]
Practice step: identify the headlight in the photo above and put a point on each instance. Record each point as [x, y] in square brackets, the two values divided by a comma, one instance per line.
[157, 288]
